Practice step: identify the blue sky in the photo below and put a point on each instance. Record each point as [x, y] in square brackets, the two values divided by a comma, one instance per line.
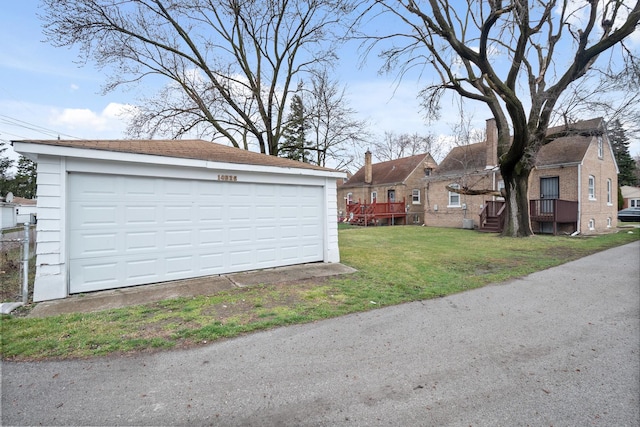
[45, 93]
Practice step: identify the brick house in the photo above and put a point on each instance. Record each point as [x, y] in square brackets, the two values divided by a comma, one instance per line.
[573, 186]
[395, 185]
[630, 196]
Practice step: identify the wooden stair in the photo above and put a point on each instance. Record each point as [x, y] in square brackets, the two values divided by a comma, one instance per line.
[492, 217]
[491, 225]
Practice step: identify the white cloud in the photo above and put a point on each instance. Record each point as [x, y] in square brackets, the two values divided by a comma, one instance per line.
[74, 87]
[85, 123]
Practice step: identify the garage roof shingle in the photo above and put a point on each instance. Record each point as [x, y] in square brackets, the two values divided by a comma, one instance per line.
[184, 149]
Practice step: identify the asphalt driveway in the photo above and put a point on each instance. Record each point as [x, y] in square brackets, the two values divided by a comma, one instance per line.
[560, 347]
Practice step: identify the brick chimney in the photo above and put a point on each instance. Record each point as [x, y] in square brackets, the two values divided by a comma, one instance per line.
[368, 168]
[492, 144]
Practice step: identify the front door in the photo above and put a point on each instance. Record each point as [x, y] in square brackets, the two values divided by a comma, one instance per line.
[391, 195]
[549, 191]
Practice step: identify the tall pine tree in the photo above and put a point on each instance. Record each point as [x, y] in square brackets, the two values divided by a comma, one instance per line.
[294, 133]
[25, 180]
[6, 163]
[620, 145]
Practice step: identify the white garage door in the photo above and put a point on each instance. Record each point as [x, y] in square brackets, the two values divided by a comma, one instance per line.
[126, 230]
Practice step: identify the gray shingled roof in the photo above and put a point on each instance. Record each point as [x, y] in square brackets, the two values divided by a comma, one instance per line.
[390, 172]
[184, 149]
[464, 159]
[562, 150]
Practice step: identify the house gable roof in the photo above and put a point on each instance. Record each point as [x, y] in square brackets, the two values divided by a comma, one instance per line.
[184, 149]
[390, 172]
[24, 201]
[464, 159]
[629, 192]
[570, 146]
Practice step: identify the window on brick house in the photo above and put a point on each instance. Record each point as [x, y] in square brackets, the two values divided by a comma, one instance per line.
[374, 196]
[454, 198]
[600, 148]
[609, 196]
[592, 187]
[415, 196]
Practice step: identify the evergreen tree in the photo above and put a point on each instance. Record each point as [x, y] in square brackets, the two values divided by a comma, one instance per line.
[25, 180]
[620, 145]
[6, 180]
[294, 133]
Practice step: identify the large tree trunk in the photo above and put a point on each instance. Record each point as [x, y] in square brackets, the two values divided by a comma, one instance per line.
[516, 184]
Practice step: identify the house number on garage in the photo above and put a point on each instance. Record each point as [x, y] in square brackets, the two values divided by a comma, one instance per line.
[227, 177]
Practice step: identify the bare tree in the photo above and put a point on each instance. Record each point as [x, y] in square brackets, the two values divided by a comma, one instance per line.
[518, 58]
[395, 146]
[334, 132]
[231, 64]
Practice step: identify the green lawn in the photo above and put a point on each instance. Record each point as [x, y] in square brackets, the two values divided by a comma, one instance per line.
[396, 265]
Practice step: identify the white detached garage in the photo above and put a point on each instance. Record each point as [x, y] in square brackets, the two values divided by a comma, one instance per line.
[115, 214]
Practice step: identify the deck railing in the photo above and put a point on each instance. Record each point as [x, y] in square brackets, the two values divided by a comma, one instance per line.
[367, 213]
[553, 210]
[492, 209]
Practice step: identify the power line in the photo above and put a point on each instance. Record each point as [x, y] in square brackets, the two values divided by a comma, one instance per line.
[12, 121]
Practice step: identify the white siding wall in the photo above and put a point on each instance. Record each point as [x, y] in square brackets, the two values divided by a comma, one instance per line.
[332, 252]
[50, 282]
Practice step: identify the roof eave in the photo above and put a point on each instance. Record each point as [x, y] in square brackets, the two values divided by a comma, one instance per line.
[33, 149]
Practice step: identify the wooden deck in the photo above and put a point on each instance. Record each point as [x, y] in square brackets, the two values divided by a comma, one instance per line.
[385, 213]
[553, 212]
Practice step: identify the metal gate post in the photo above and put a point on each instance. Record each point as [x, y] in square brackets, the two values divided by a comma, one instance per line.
[25, 265]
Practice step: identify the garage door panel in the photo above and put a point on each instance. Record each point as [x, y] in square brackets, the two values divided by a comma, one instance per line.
[140, 214]
[92, 187]
[178, 265]
[211, 262]
[178, 239]
[94, 244]
[265, 234]
[141, 241]
[240, 258]
[137, 188]
[266, 255]
[93, 276]
[96, 215]
[141, 269]
[210, 237]
[209, 213]
[139, 230]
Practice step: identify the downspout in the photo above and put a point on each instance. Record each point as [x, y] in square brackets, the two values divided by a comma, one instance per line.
[493, 183]
[579, 198]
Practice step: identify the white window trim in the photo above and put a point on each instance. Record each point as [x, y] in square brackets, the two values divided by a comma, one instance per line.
[592, 224]
[500, 188]
[600, 148]
[449, 205]
[349, 198]
[413, 196]
[591, 187]
[374, 196]
[609, 194]
[634, 203]
[608, 222]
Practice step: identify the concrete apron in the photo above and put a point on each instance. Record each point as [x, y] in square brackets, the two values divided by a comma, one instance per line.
[209, 285]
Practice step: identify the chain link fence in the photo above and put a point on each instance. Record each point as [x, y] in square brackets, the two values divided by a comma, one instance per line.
[17, 264]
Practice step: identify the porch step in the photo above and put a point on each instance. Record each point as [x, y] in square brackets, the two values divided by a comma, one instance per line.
[492, 225]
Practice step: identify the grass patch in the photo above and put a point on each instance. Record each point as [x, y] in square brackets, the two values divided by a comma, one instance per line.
[396, 265]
